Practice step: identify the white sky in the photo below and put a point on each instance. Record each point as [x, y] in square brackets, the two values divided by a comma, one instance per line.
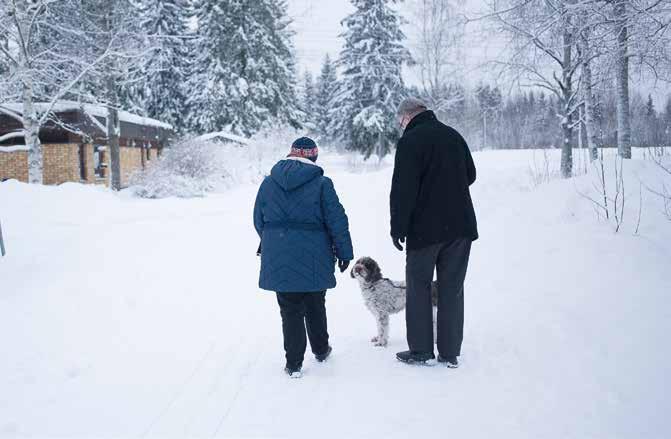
[317, 26]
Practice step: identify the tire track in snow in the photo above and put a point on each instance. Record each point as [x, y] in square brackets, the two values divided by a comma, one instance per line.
[242, 384]
[180, 391]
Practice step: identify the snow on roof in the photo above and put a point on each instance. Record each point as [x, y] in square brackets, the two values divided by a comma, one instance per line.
[93, 110]
[12, 148]
[224, 135]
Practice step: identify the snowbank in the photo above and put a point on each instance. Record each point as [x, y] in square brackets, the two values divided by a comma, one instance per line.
[123, 317]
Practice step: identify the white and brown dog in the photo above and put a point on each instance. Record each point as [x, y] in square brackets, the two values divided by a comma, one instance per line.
[382, 296]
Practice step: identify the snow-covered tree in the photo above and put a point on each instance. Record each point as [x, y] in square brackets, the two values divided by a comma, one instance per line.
[371, 86]
[489, 102]
[327, 84]
[160, 90]
[244, 70]
[115, 27]
[47, 61]
[543, 35]
[439, 32]
[5, 84]
[666, 122]
[651, 124]
[308, 97]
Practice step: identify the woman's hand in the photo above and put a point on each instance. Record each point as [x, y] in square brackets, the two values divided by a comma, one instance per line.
[342, 265]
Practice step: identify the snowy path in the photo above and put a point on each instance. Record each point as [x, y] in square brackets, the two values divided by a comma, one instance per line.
[132, 318]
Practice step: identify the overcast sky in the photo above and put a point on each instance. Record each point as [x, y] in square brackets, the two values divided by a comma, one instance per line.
[317, 26]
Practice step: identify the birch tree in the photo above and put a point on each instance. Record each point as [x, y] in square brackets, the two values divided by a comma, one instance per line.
[35, 72]
[543, 36]
[437, 51]
[642, 30]
[47, 61]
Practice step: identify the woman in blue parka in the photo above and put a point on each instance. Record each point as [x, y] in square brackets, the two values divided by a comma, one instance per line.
[304, 231]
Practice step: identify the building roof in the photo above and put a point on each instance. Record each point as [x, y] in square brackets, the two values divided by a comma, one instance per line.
[90, 109]
[224, 135]
[69, 118]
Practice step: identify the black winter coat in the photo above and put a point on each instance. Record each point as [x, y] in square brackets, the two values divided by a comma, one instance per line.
[430, 198]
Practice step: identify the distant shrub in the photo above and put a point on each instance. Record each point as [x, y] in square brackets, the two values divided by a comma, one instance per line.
[191, 167]
[188, 168]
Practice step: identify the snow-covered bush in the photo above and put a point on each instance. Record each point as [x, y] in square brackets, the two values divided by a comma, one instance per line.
[189, 168]
[192, 167]
[271, 145]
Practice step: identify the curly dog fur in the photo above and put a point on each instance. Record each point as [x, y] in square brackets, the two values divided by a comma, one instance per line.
[382, 296]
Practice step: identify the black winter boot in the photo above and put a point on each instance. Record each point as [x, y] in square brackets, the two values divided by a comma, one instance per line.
[450, 362]
[322, 357]
[421, 358]
[293, 372]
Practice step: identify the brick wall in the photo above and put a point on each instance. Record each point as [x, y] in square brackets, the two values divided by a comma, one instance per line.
[131, 162]
[14, 165]
[61, 163]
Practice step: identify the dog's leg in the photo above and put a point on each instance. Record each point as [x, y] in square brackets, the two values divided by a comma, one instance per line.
[382, 330]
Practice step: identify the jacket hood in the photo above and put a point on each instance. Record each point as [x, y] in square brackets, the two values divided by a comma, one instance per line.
[292, 173]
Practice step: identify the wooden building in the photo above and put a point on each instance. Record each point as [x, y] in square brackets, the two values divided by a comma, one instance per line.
[74, 144]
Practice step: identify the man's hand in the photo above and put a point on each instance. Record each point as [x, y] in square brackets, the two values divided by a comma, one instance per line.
[342, 265]
[397, 240]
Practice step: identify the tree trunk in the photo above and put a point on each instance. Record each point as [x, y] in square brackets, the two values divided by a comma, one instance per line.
[113, 134]
[622, 81]
[113, 126]
[31, 127]
[567, 120]
[484, 130]
[590, 129]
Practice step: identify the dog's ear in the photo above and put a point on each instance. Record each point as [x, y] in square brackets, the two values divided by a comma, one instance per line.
[374, 273]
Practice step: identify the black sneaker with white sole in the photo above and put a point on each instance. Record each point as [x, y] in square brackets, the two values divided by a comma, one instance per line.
[293, 372]
[419, 358]
[322, 357]
[450, 362]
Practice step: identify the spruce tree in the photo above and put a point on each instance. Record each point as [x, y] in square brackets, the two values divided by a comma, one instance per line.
[244, 76]
[650, 135]
[160, 92]
[666, 122]
[372, 85]
[327, 84]
[308, 102]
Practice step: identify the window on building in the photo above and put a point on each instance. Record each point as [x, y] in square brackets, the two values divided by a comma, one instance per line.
[100, 161]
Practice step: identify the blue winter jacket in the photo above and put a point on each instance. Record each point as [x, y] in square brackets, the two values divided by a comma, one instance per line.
[303, 228]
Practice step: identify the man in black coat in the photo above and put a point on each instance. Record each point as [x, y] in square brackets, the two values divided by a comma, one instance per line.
[432, 210]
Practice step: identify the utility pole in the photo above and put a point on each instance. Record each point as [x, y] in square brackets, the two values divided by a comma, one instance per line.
[2, 243]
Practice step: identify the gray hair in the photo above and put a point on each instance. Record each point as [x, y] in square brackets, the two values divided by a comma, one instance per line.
[411, 106]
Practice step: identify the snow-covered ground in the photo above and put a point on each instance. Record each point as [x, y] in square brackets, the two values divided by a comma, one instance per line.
[123, 317]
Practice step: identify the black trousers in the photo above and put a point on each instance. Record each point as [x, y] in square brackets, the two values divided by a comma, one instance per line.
[299, 310]
[450, 261]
